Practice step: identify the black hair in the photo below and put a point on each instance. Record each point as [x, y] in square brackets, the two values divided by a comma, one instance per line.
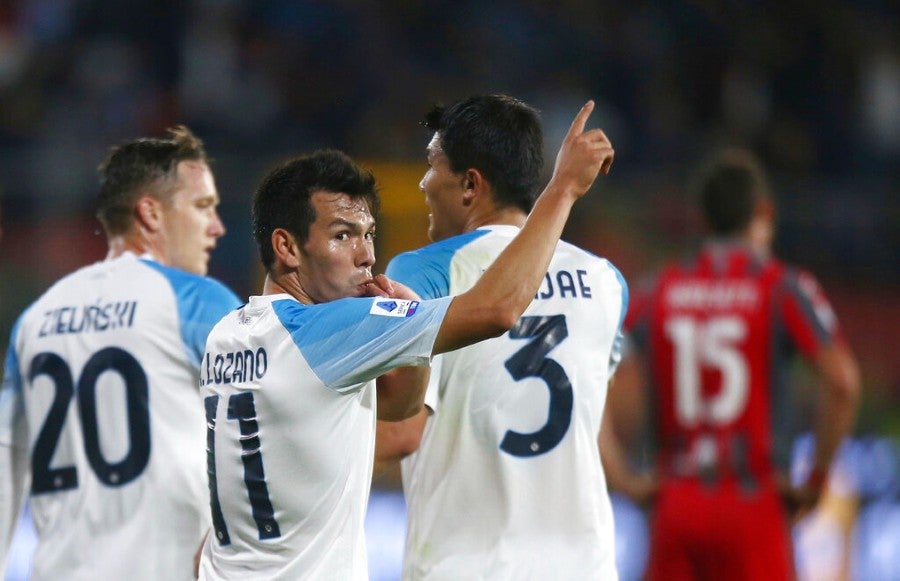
[283, 199]
[729, 185]
[499, 136]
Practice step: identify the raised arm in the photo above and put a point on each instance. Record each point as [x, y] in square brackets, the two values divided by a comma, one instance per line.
[502, 294]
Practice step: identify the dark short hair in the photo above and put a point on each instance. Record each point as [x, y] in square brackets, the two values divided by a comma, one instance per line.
[283, 199]
[140, 167]
[729, 184]
[499, 136]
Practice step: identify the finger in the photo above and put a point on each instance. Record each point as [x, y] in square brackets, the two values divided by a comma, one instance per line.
[581, 119]
[596, 136]
[373, 290]
[385, 283]
[607, 163]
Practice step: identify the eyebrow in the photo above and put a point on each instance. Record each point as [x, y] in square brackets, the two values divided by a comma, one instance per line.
[356, 226]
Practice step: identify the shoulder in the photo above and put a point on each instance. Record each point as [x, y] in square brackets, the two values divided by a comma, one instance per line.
[438, 252]
[186, 284]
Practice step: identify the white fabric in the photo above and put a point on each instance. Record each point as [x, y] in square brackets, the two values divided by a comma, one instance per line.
[312, 430]
[475, 510]
[132, 502]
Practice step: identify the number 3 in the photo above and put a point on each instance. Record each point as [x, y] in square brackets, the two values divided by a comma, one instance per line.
[532, 361]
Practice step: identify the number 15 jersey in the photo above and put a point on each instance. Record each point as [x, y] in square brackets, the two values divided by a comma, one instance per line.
[507, 482]
[719, 331]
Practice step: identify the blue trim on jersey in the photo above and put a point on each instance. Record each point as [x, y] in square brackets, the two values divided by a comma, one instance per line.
[625, 296]
[615, 354]
[201, 303]
[427, 270]
[11, 377]
[345, 344]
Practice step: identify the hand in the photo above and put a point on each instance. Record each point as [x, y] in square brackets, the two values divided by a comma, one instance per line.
[382, 286]
[801, 500]
[582, 155]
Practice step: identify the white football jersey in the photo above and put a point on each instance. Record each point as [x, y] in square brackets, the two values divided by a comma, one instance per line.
[507, 482]
[290, 407]
[101, 421]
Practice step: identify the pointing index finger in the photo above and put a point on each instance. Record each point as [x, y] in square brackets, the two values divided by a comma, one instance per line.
[578, 124]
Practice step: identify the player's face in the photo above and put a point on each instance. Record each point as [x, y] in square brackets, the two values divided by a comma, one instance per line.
[443, 191]
[337, 258]
[191, 224]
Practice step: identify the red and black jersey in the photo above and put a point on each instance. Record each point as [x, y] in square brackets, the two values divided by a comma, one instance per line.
[719, 331]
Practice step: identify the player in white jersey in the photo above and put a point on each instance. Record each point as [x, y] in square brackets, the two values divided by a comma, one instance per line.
[289, 378]
[101, 420]
[504, 479]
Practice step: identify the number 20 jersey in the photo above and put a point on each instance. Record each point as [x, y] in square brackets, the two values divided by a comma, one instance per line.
[719, 331]
[507, 482]
[101, 412]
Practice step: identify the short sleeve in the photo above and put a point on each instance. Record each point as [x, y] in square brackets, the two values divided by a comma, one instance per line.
[352, 340]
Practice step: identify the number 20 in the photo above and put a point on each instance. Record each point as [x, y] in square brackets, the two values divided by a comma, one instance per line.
[45, 479]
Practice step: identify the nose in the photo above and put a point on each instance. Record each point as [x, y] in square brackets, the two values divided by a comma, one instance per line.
[366, 254]
[217, 227]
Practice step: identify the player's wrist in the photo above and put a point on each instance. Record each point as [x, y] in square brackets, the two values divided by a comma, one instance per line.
[816, 478]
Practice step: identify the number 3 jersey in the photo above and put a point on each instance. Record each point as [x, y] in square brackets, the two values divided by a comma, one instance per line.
[507, 481]
[719, 332]
[101, 421]
[290, 407]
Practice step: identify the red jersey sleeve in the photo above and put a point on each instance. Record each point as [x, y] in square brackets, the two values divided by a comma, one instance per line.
[806, 314]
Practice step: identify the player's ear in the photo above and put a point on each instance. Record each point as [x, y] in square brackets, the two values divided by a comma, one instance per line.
[286, 248]
[473, 185]
[148, 213]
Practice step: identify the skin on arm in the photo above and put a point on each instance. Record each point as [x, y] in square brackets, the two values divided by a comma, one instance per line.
[396, 440]
[624, 415]
[838, 374]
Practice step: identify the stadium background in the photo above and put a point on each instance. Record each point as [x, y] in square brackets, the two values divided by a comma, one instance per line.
[813, 87]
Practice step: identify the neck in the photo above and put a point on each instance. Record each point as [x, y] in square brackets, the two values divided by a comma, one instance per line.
[759, 236]
[276, 284]
[118, 245]
[509, 216]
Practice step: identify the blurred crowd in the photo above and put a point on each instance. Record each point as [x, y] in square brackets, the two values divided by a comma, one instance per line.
[813, 87]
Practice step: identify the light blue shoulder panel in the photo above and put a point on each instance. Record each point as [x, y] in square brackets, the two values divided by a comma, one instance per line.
[201, 303]
[427, 270]
[345, 343]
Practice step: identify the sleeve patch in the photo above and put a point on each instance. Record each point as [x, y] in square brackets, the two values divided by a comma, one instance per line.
[394, 307]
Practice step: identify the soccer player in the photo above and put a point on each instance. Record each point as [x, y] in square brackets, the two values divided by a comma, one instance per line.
[716, 334]
[289, 378]
[101, 420]
[505, 479]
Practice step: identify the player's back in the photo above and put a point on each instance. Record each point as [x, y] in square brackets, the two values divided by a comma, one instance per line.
[107, 360]
[718, 340]
[507, 482]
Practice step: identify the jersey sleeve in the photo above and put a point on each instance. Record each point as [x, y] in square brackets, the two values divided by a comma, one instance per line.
[422, 272]
[806, 313]
[353, 340]
[13, 447]
[615, 354]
